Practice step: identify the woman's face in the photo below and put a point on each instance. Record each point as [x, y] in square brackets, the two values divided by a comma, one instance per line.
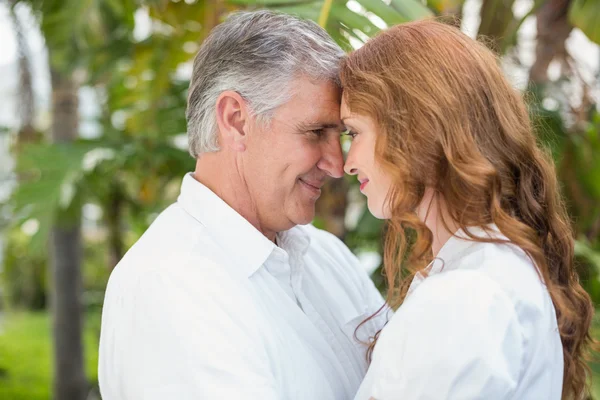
[361, 161]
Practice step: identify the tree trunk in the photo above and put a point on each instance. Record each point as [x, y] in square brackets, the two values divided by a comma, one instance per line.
[114, 218]
[26, 102]
[553, 29]
[66, 256]
[496, 16]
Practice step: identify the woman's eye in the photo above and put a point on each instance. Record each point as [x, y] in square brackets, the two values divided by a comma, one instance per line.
[318, 132]
[350, 133]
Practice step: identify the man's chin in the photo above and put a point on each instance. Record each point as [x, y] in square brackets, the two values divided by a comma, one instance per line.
[304, 217]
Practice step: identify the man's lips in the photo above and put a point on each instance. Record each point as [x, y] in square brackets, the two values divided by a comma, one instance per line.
[313, 185]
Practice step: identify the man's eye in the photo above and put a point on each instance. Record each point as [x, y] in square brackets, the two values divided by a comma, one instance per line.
[318, 132]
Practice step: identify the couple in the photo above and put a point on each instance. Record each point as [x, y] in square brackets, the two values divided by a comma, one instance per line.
[230, 294]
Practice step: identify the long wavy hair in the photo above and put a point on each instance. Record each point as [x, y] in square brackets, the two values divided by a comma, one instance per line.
[448, 119]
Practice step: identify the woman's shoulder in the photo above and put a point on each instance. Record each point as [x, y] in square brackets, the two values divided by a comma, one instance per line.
[457, 315]
[513, 272]
[491, 286]
[463, 290]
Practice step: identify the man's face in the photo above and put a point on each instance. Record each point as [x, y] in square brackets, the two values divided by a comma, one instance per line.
[287, 162]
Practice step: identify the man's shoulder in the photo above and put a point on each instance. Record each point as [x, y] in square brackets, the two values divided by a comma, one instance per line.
[175, 243]
[173, 232]
[140, 269]
[173, 226]
[191, 278]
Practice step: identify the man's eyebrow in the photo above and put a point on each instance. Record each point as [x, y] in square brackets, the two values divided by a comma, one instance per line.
[321, 125]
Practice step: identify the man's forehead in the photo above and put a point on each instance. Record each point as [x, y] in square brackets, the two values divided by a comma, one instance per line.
[316, 92]
[314, 104]
[321, 114]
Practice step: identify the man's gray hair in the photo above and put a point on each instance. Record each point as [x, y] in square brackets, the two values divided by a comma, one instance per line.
[256, 54]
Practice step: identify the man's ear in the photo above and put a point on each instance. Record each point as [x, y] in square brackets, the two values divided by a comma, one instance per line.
[232, 116]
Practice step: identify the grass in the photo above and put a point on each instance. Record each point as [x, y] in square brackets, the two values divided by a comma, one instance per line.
[26, 355]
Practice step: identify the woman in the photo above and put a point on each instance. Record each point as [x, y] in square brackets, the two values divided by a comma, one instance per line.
[444, 150]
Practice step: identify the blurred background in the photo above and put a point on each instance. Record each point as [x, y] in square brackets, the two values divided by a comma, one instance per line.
[93, 147]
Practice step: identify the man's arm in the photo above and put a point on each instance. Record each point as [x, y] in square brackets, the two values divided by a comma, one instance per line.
[164, 337]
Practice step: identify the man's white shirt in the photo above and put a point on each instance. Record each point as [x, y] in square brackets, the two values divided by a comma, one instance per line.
[204, 306]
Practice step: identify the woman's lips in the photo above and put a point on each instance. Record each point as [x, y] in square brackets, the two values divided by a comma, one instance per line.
[363, 184]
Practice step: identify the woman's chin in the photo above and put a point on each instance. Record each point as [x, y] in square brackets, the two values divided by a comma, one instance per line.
[377, 211]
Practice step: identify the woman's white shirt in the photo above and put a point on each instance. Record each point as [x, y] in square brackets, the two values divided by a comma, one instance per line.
[481, 325]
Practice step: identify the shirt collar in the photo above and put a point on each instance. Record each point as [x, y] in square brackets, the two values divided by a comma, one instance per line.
[292, 244]
[294, 241]
[455, 249]
[248, 247]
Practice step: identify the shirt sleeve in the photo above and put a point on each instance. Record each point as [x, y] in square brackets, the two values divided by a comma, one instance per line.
[176, 337]
[457, 337]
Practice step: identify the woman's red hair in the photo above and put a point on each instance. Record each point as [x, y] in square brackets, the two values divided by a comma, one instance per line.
[449, 120]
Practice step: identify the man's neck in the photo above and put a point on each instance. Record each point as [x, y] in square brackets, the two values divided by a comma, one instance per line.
[229, 185]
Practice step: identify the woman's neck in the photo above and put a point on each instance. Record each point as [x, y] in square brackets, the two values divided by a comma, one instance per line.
[432, 211]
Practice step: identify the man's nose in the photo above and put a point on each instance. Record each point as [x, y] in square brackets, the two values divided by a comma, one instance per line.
[332, 160]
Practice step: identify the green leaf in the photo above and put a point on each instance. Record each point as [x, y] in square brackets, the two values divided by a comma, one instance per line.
[116, 6]
[584, 250]
[414, 9]
[368, 225]
[324, 14]
[49, 177]
[388, 14]
[588, 159]
[338, 33]
[269, 3]
[353, 20]
[442, 6]
[509, 38]
[549, 128]
[309, 10]
[585, 15]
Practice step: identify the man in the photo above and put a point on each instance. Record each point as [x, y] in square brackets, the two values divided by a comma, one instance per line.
[226, 296]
